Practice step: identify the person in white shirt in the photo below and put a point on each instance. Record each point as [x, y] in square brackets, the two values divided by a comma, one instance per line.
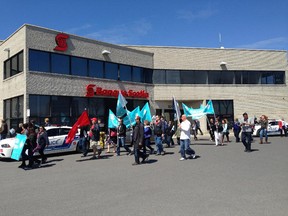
[185, 127]
[247, 125]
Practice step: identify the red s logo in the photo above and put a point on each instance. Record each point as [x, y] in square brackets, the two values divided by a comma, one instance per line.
[90, 90]
[60, 40]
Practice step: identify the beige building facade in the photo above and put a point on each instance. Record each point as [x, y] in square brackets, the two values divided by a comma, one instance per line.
[39, 81]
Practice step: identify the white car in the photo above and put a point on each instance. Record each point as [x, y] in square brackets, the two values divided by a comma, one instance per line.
[57, 136]
[273, 128]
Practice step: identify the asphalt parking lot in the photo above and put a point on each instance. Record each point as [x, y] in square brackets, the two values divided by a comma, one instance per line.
[222, 181]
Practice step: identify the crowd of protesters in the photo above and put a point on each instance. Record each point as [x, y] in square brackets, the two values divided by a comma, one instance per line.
[93, 136]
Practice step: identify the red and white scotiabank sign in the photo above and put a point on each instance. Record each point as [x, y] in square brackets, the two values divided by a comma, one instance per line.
[60, 40]
[92, 90]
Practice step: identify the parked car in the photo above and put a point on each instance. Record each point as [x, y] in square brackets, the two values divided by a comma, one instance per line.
[56, 135]
[273, 128]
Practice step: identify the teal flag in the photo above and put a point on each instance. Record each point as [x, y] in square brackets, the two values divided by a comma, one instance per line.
[121, 105]
[194, 113]
[209, 109]
[20, 140]
[129, 120]
[112, 120]
[186, 110]
[145, 113]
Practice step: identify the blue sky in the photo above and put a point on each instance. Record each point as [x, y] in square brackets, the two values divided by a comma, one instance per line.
[245, 24]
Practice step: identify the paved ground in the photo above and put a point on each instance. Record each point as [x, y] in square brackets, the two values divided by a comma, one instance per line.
[223, 181]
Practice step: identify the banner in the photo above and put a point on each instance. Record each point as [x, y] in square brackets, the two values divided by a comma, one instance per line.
[112, 120]
[121, 105]
[20, 140]
[145, 113]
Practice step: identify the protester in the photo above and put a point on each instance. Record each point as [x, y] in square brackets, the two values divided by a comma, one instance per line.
[47, 122]
[159, 135]
[147, 137]
[197, 123]
[247, 124]
[236, 129]
[263, 128]
[211, 126]
[137, 139]
[121, 134]
[185, 126]
[84, 140]
[218, 133]
[42, 142]
[94, 134]
[3, 130]
[112, 139]
[169, 134]
[225, 132]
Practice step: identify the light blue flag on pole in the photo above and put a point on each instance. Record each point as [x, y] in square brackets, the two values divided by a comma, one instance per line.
[20, 140]
[112, 120]
[209, 109]
[145, 113]
[129, 120]
[121, 105]
[186, 110]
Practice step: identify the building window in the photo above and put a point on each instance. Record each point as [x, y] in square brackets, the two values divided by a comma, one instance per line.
[137, 74]
[125, 73]
[159, 76]
[13, 111]
[173, 77]
[147, 74]
[39, 61]
[13, 65]
[39, 106]
[60, 64]
[111, 71]
[60, 107]
[79, 66]
[96, 69]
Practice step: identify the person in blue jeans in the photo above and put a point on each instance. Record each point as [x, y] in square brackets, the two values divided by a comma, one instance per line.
[185, 127]
[159, 135]
[246, 124]
[263, 130]
[121, 134]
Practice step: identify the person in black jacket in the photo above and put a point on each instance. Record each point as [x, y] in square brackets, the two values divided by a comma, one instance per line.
[121, 138]
[94, 138]
[137, 139]
[42, 142]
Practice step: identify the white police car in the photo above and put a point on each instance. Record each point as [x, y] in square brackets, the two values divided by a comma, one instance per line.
[57, 136]
[273, 128]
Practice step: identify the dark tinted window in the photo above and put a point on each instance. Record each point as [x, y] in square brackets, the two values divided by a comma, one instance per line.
[64, 131]
[137, 74]
[215, 77]
[173, 77]
[279, 77]
[251, 77]
[79, 105]
[60, 107]
[60, 64]
[148, 73]
[96, 69]
[53, 132]
[238, 77]
[125, 73]
[111, 71]
[7, 69]
[79, 66]
[13, 65]
[187, 77]
[200, 77]
[39, 61]
[159, 76]
[39, 105]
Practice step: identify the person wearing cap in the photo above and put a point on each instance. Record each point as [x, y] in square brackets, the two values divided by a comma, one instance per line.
[247, 125]
[94, 138]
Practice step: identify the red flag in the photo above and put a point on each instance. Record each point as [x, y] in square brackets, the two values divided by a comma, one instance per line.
[83, 120]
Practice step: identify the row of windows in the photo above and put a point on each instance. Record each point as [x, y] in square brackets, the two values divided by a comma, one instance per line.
[13, 65]
[13, 111]
[71, 65]
[218, 77]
